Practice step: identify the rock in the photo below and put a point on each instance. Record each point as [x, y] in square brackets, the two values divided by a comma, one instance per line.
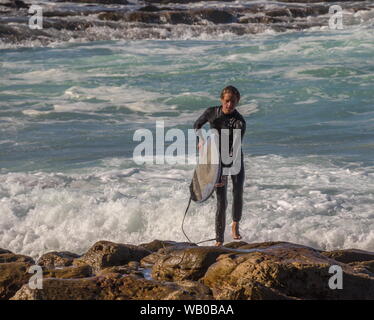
[364, 267]
[163, 252]
[113, 16]
[2, 251]
[97, 1]
[18, 4]
[61, 289]
[235, 244]
[186, 264]
[132, 288]
[215, 16]
[69, 272]
[57, 259]
[350, 255]
[290, 270]
[105, 254]
[155, 245]
[13, 276]
[150, 8]
[113, 287]
[144, 17]
[131, 268]
[179, 1]
[11, 257]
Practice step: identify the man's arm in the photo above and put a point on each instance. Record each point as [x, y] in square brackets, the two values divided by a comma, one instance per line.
[204, 118]
[242, 126]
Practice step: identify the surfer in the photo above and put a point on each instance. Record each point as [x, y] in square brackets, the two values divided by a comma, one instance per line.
[220, 117]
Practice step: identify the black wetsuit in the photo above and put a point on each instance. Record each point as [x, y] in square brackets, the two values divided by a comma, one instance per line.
[218, 120]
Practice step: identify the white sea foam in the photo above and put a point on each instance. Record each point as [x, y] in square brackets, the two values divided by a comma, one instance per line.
[306, 200]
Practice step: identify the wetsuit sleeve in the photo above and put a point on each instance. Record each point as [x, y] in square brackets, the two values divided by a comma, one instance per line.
[242, 126]
[204, 118]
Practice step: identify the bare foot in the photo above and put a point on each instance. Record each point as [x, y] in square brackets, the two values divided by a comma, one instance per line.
[219, 244]
[235, 231]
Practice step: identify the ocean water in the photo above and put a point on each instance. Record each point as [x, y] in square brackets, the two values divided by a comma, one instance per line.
[68, 113]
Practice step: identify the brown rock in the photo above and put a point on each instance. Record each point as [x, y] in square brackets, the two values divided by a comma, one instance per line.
[69, 272]
[13, 276]
[132, 288]
[105, 254]
[179, 1]
[11, 257]
[186, 264]
[2, 251]
[235, 244]
[364, 267]
[350, 255]
[113, 287]
[215, 16]
[98, 1]
[57, 259]
[144, 17]
[61, 289]
[155, 245]
[291, 270]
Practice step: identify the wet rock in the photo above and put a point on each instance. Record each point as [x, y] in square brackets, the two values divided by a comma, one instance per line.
[11, 257]
[97, 1]
[105, 254]
[155, 245]
[132, 288]
[186, 264]
[151, 8]
[57, 259]
[235, 244]
[113, 287]
[179, 1]
[131, 268]
[17, 4]
[281, 12]
[364, 267]
[61, 289]
[13, 276]
[69, 272]
[291, 270]
[350, 255]
[113, 16]
[144, 17]
[178, 17]
[215, 16]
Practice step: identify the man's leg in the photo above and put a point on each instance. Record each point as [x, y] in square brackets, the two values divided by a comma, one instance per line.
[221, 193]
[237, 204]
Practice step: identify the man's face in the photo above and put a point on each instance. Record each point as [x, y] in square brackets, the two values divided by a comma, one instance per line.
[229, 102]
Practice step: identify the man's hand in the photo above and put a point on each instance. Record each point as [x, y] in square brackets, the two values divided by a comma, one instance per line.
[200, 145]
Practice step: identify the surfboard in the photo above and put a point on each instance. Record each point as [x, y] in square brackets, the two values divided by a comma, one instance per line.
[208, 170]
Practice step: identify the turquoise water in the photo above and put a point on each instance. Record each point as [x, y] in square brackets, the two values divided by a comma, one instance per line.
[68, 114]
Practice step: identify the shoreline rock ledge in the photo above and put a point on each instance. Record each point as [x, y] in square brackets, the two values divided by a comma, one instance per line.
[169, 270]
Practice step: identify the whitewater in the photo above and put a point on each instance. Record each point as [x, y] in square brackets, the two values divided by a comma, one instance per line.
[68, 113]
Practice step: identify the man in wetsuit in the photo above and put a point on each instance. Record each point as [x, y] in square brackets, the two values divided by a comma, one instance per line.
[220, 117]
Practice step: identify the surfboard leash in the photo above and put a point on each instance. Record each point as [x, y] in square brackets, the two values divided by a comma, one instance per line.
[184, 216]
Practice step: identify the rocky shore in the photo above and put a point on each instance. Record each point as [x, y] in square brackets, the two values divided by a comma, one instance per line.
[168, 270]
[166, 19]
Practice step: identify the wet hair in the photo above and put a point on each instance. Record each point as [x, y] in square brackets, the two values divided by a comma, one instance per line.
[232, 90]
